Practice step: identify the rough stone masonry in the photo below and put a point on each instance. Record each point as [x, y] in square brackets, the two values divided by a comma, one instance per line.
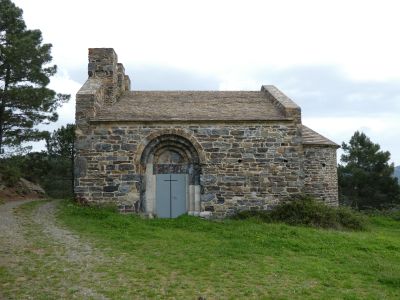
[235, 150]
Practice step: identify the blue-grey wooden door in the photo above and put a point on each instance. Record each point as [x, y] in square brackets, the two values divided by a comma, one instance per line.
[170, 195]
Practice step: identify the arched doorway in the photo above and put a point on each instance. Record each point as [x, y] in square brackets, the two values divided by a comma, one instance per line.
[171, 172]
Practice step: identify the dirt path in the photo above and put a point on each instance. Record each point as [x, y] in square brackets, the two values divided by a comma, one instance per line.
[38, 259]
[11, 237]
[76, 251]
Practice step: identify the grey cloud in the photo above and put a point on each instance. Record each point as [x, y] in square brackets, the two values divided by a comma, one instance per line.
[163, 78]
[325, 91]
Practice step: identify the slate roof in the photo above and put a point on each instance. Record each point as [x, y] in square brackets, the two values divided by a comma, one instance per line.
[191, 105]
[310, 137]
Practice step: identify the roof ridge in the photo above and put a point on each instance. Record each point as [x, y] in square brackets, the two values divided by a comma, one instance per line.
[191, 105]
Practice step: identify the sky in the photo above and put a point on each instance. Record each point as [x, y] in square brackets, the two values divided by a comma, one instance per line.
[338, 60]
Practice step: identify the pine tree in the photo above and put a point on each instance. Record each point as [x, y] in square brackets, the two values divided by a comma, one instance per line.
[366, 178]
[25, 100]
[61, 142]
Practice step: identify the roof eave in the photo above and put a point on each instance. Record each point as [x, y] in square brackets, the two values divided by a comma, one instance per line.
[96, 120]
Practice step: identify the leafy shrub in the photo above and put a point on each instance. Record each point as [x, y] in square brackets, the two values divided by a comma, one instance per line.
[308, 212]
[350, 219]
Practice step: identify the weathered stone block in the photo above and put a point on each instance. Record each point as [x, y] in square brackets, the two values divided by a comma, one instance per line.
[124, 188]
[83, 143]
[110, 188]
[125, 167]
[207, 197]
[209, 208]
[118, 131]
[130, 177]
[220, 131]
[103, 147]
[80, 167]
[128, 147]
[208, 179]
[237, 133]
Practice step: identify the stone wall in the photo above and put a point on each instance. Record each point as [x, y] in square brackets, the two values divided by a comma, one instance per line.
[106, 82]
[249, 164]
[321, 173]
[242, 167]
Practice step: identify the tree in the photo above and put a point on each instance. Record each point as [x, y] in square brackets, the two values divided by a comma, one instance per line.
[61, 142]
[60, 147]
[366, 177]
[25, 100]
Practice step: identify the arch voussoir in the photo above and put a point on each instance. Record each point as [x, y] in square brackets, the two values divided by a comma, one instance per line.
[180, 135]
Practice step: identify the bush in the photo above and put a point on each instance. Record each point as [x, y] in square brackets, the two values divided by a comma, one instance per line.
[308, 212]
[350, 219]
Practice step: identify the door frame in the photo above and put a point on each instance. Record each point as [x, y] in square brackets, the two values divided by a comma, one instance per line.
[148, 159]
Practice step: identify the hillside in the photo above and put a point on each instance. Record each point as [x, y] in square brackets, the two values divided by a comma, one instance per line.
[21, 189]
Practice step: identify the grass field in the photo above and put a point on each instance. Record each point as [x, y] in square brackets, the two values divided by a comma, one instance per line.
[87, 253]
[191, 258]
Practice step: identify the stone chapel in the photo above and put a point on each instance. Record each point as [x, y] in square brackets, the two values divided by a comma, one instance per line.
[207, 153]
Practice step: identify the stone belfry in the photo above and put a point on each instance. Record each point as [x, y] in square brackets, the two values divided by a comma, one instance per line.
[105, 84]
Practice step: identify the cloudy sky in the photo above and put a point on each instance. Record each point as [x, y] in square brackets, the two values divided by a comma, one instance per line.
[339, 60]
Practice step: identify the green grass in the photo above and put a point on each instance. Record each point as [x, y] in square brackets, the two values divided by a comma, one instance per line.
[189, 258]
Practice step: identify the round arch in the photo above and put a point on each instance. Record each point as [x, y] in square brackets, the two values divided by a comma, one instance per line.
[169, 153]
[180, 133]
